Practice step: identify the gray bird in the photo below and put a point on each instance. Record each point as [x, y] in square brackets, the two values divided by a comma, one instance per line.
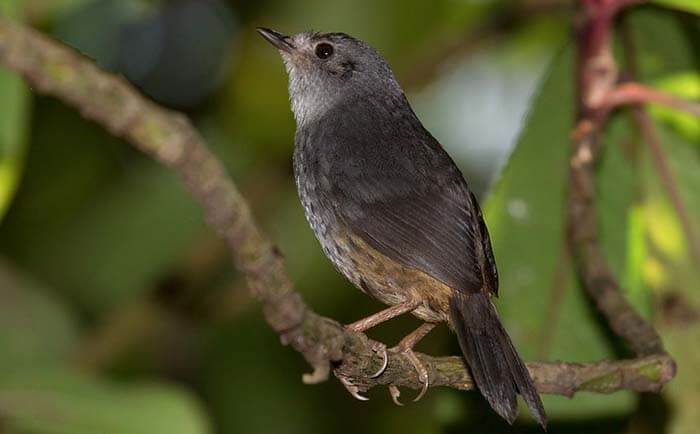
[393, 212]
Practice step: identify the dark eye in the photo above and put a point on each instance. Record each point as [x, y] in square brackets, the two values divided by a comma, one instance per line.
[324, 50]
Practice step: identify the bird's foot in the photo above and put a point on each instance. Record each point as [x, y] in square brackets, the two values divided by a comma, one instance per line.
[395, 393]
[380, 349]
[377, 347]
[351, 388]
[418, 366]
[393, 389]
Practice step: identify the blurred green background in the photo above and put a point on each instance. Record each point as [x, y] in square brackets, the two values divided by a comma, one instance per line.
[120, 312]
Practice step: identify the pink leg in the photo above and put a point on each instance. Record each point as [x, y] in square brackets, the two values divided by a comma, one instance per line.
[382, 316]
[405, 347]
[378, 347]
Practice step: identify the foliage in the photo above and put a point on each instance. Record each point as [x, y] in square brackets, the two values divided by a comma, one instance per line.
[95, 229]
[14, 106]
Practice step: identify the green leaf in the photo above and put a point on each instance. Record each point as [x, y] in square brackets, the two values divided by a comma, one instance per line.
[542, 301]
[674, 276]
[668, 267]
[14, 112]
[637, 254]
[97, 220]
[35, 328]
[668, 49]
[684, 85]
[65, 402]
[119, 246]
[543, 307]
[692, 6]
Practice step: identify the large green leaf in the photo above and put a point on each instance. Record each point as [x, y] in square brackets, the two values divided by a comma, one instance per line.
[64, 402]
[543, 306]
[14, 111]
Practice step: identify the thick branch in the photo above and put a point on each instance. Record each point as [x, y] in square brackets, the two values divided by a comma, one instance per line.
[170, 138]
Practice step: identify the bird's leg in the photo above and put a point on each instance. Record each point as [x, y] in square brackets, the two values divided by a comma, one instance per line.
[405, 347]
[382, 316]
[378, 347]
[378, 318]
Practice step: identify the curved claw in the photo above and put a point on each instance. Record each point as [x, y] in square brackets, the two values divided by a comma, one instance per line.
[395, 394]
[352, 389]
[422, 372]
[422, 391]
[380, 348]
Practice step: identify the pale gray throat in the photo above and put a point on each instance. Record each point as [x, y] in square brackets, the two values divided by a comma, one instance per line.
[310, 98]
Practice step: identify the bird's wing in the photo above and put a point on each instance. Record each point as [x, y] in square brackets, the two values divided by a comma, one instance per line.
[393, 184]
[431, 222]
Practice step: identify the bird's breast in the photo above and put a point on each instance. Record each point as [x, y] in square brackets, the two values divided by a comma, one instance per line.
[369, 270]
[316, 198]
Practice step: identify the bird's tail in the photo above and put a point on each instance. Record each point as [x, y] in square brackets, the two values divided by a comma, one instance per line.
[497, 369]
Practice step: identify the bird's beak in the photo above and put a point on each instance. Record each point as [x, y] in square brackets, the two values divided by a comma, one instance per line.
[282, 42]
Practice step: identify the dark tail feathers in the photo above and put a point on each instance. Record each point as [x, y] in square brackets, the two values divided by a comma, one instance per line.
[498, 371]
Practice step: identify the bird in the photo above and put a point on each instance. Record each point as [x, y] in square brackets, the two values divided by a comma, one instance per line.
[393, 212]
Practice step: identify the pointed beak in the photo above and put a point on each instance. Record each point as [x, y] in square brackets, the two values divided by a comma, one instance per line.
[282, 42]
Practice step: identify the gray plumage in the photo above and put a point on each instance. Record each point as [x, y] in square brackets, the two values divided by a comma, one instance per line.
[365, 165]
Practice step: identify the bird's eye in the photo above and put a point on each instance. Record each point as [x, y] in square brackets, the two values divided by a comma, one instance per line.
[324, 50]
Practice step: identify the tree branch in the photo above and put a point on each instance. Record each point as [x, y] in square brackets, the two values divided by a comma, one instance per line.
[636, 93]
[597, 76]
[169, 138]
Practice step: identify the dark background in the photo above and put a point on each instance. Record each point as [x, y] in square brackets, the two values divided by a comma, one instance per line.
[120, 311]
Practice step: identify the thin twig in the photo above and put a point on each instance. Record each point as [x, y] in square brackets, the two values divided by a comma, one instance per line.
[635, 93]
[651, 137]
[169, 137]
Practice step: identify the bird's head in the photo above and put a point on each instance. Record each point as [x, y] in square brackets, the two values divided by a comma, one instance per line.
[327, 68]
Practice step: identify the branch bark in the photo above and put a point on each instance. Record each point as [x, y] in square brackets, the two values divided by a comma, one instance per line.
[169, 138]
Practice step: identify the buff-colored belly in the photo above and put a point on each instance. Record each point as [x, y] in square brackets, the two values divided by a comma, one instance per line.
[392, 283]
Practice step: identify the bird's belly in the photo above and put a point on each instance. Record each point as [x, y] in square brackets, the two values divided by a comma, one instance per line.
[392, 283]
[369, 270]
[378, 276]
